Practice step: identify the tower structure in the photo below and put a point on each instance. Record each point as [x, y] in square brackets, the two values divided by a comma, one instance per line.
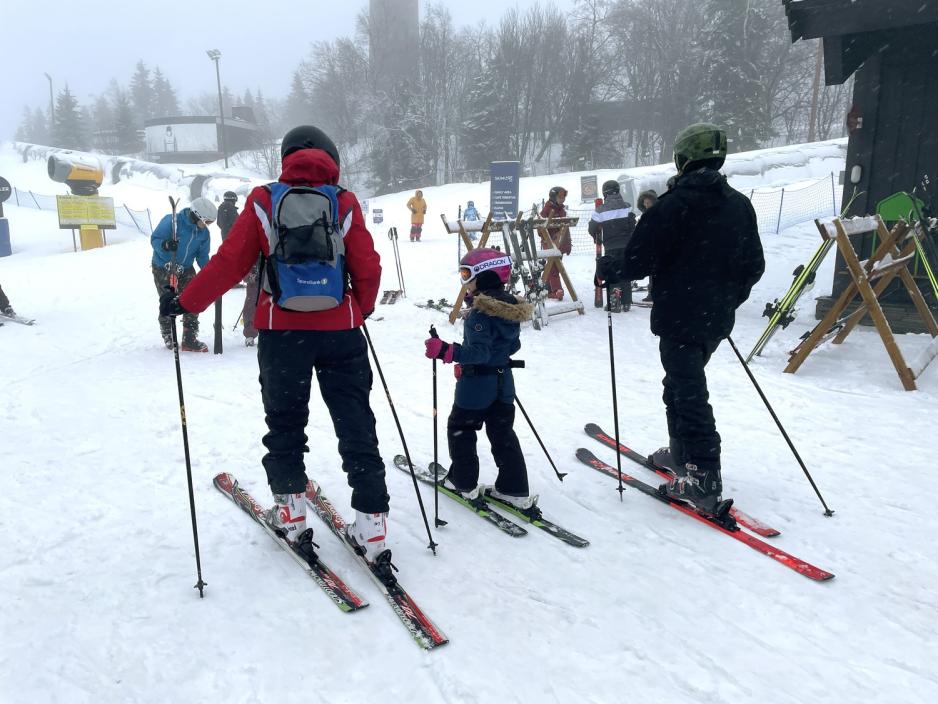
[393, 41]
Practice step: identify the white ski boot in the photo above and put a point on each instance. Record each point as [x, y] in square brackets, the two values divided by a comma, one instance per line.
[288, 515]
[369, 532]
[471, 496]
[522, 503]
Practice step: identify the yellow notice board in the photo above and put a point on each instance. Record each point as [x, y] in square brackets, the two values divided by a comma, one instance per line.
[75, 211]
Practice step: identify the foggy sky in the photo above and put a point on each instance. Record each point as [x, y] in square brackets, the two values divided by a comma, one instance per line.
[87, 43]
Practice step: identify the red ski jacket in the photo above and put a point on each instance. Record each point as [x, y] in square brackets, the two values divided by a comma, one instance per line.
[247, 240]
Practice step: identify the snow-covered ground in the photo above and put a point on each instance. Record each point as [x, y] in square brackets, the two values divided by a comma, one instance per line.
[97, 568]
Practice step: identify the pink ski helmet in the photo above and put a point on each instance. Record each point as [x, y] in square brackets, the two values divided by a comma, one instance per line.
[485, 259]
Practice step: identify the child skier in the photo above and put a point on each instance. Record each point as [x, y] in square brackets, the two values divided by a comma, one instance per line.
[485, 389]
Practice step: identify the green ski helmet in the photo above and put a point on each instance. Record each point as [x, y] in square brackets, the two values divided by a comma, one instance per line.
[701, 141]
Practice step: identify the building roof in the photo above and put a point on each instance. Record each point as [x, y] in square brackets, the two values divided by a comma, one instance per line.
[811, 19]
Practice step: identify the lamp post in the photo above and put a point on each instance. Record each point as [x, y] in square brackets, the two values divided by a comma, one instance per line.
[51, 102]
[215, 55]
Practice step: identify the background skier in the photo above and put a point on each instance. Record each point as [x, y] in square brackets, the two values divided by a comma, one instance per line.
[418, 210]
[646, 199]
[554, 208]
[192, 245]
[613, 223]
[701, 243]
[227, 213]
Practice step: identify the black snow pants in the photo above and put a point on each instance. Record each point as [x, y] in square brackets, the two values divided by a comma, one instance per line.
[686, 400]
[287, 359]
[461, 429]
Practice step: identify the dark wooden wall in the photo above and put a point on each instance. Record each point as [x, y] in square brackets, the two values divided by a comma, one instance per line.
[896, 92]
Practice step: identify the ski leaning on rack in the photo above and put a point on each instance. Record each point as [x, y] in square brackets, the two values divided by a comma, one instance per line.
[790, 561]
[745, 520]
[340, 593]
[782, 312]
[478, 507]
[421, 628]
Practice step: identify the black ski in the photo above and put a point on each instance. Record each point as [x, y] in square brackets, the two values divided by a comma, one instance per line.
[420, 627]
[337, 590]
[478, 506]
[535, 517]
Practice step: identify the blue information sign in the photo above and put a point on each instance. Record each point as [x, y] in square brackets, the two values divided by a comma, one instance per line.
[505, 179]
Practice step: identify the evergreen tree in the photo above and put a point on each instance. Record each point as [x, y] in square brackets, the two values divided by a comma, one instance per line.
[67, 129]
[486, 127]
[731, 49]
[165, 101]
[40, 130]
[103, 137]
[299, 107]
[141, 93]
[396, 160]
[125, 124]
[26, 131]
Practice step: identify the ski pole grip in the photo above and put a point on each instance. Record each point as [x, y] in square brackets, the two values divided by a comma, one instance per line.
[433, 331]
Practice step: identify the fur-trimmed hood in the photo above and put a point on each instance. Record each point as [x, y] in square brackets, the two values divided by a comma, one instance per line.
[506, 307]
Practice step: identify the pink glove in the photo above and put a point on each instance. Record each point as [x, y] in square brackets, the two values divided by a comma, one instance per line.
[437, 349]
[457, 371]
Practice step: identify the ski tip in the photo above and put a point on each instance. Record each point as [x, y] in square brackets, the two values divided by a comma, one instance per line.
[591, 428]
[224, 481]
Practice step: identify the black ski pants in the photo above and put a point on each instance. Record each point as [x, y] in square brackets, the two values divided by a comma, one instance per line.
[499, 420]
[625, 297]
[686, 400]
[287, 359]
[190, 321]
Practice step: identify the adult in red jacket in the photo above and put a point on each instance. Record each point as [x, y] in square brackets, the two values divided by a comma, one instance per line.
[292, 344]
[554, 208]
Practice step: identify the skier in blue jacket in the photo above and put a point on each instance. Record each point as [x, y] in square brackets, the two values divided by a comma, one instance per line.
[190, 246]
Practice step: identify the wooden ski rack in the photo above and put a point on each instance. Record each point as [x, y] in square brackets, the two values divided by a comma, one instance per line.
[886, 263]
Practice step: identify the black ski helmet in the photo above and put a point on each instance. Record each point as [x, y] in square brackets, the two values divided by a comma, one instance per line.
[230, 195]
[555, 191]
[610, 187]
[308, 137]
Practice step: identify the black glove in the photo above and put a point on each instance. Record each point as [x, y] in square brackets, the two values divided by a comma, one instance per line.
[170, 305]
[610, 268]
[170, 245]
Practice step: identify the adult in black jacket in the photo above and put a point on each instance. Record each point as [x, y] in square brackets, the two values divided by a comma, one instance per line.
[701, 243]
[614, 223]
[227, 213]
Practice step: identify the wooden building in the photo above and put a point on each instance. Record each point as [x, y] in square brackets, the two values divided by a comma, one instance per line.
[892, 47]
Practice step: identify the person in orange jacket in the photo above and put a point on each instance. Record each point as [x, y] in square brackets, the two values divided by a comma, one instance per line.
[418, 209]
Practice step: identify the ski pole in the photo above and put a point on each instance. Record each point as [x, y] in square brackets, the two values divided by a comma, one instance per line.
[392, 235]
[827, 511]
[560, 475]
[235, 326]
[437, 521]
[173, 281]
[432, 546]
[612, 371]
